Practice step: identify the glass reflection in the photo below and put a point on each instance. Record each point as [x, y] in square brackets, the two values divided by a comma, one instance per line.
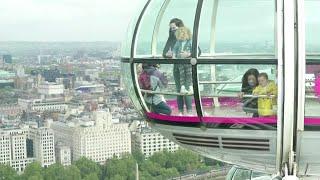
[183, 11]
[146, 29]
[127, 79]
[312, 102]
[162, 91]
[312, 22]
[312, 75]
[244, 93]
[233, 26]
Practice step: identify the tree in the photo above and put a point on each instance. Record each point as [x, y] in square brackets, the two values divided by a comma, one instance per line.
[36, 177]
[7, 172]
[118, 177]
[33, 171]
[160, 157]
[91, 176]
[55, 172]
[124, 167]
[144, 175]
[152, 168]
[72, 173]
[169, 173]
[212, 162]
[87, 167]
[184, 161]
[138, 156]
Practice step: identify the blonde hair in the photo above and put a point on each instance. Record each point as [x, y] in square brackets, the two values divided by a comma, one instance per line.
[183, 33]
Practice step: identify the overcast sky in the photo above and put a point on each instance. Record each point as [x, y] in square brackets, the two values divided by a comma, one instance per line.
[65, 20]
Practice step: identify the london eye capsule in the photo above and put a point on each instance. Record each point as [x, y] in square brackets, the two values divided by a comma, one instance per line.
[232, 80]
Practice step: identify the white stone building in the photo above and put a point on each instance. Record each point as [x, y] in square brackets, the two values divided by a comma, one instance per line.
[98, 138]
[13, 148]
[43, 145]
[149, 141]
[92, 73]
[41, 105]
[63, 154]
[48, 88]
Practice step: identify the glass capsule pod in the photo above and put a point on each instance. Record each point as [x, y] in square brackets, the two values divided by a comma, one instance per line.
[236, 81]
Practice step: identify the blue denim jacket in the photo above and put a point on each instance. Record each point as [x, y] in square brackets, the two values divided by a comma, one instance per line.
[177, 49]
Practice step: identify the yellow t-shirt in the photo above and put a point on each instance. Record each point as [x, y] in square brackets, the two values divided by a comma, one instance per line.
[265, 104]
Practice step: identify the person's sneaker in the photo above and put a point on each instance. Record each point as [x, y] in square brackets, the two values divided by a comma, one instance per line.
[190, 90]
[180, 114]
[183, 90]
[189, 113]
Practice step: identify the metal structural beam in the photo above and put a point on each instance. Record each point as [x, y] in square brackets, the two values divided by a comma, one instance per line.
[290, 84]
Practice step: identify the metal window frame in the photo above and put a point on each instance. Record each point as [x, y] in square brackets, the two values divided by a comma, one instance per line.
[279, 54]
[221, 59]
[213, 61]
[194, 54]
[290, 67]
[301, 64]
[132, 55]
[301, 56]
[155, 33]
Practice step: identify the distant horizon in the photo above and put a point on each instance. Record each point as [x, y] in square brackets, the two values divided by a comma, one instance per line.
[62, 41]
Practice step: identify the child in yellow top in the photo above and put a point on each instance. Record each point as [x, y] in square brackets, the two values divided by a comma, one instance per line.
[265, 87]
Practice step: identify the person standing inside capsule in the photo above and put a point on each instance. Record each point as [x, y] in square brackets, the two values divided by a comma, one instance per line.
[175, 48]
[249, 83]
[174, 24]
[182, 49]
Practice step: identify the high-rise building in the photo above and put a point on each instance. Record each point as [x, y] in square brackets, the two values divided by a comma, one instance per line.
[47, 88]
[51, 75]
[5, 147]
[149, 141]
[7, 58]
[20, 71]
[41, 105]
[63, 154]
[92, 73]
[97, 138]
[43, 145]
[13, 148]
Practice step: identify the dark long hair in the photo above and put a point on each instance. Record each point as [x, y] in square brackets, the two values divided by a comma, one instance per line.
[249, 72]
[172, 37]
[177, 21]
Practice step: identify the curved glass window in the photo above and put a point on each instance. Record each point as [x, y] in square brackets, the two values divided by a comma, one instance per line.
[312, 22]
[206, 35]
[147, 26]
[228, 98]
[183, 10]
[161, 90]
[232, 27]
[236, 36]
[312, 76]
[312, 102]
[126, 43]
[127, 79]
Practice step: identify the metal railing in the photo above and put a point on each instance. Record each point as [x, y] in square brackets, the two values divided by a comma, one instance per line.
[206, 95]
[213, 82]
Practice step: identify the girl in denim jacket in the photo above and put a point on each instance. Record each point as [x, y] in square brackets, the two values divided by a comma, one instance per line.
[182, 72]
